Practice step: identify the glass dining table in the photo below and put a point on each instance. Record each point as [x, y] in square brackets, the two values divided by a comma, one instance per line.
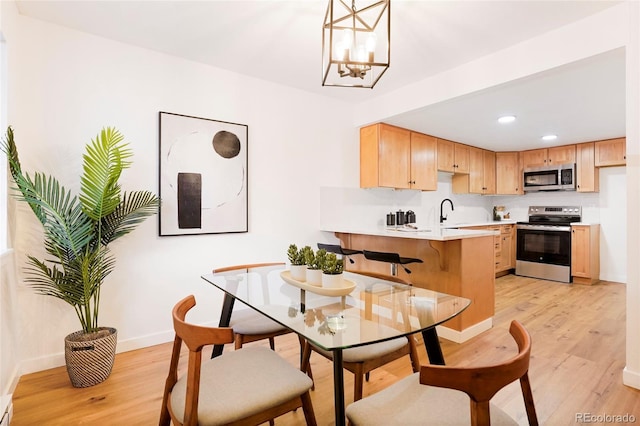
[363, 311]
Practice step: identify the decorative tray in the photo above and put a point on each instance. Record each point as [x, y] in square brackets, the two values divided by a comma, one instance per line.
[349, 286]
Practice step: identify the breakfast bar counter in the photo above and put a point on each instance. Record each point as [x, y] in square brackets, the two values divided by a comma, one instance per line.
[456, 261]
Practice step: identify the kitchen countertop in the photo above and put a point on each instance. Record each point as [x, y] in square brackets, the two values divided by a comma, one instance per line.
[427, 233]
[488, 223]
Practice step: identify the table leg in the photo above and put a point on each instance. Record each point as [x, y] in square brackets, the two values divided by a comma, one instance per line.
[432, 345]
[338, 388]
[225, 319]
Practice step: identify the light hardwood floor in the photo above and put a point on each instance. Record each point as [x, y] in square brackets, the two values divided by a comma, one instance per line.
[577, 360]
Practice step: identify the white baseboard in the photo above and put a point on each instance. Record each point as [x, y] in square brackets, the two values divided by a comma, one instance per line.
[57, 360]
[6, 410]
[466, 334]
[631, 378]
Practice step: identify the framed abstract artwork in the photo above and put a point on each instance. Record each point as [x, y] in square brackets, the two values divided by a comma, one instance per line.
[203, 176]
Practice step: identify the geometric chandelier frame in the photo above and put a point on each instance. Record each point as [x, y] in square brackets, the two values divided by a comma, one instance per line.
[356, 42]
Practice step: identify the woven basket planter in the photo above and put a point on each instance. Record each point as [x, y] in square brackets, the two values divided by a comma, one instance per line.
[89, 362]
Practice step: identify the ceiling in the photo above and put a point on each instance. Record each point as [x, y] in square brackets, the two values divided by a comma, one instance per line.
[280, 41]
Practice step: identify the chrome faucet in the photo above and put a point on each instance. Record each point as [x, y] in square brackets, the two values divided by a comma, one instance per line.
[443, 218]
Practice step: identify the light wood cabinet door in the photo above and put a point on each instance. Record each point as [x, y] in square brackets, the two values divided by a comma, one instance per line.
[453, 157]
[508, 174]
[424, 173]
[509, 246]
[462, 158]
[393, 157]
[612, 152]
[475, 177]
[562, 154]
[394, 149]
[489, 172]
[384, 156]
[549, 156]
[585, 254]
[481, 178]
[534, 158]
[587, 174]
[446, 156]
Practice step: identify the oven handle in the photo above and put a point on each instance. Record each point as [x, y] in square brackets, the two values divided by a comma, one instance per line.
[545, 228]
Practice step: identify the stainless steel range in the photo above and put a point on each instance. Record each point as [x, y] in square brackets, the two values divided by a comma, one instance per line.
[544, 242]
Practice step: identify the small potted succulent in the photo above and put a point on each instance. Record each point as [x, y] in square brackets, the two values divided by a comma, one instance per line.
[298, 265]
[332, 271]
[315, 262]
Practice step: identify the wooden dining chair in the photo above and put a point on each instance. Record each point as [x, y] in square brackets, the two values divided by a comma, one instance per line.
[249, 325]
[250, 386]
[436, 395]
[362, 360]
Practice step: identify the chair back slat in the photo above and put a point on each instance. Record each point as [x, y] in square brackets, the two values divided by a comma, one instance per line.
[482, 383]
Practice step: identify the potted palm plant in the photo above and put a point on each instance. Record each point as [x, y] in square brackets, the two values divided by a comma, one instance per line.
[77, 234]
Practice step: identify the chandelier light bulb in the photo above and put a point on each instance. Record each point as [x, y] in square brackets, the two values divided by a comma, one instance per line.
[372, 40]
[347, 38]
[361, 54]
[342, 51]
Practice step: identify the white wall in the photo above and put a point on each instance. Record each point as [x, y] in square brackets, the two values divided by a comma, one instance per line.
[64, 86]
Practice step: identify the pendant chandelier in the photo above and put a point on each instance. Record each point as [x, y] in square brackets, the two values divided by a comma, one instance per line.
[356, 43]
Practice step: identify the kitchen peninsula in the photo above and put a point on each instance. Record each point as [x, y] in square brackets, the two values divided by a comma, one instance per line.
[456, 261]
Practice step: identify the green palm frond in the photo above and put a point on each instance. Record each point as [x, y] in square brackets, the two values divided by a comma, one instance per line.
[65, 225]
[104, 161]
[24, 182]
[134, 209]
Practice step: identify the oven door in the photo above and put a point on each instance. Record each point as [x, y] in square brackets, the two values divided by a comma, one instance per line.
[544, 244]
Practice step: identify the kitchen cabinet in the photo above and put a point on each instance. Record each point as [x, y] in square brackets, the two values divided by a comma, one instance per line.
[393, 157]
[504, 245]
[481, 178]
[585, 253]
[549, 156]
[506, 257]
[611, 152]
[453, 157]
[587, 175]
[508, 173]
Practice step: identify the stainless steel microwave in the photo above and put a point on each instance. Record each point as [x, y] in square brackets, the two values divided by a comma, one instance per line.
[550, 178]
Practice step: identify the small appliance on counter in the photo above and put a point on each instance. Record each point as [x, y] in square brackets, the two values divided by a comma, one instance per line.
[500, 214]
[401, 218]
[391, 219]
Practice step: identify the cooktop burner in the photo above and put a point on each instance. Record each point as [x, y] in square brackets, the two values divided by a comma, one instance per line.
[553, 215]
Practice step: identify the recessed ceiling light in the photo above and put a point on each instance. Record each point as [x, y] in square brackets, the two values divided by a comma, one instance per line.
[507, 119]
[549, 137]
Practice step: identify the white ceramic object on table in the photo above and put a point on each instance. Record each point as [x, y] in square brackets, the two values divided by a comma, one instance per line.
[314, 277]
[299, 272]
[332, 280]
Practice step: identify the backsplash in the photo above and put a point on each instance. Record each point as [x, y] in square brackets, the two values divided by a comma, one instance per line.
[356, 207]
